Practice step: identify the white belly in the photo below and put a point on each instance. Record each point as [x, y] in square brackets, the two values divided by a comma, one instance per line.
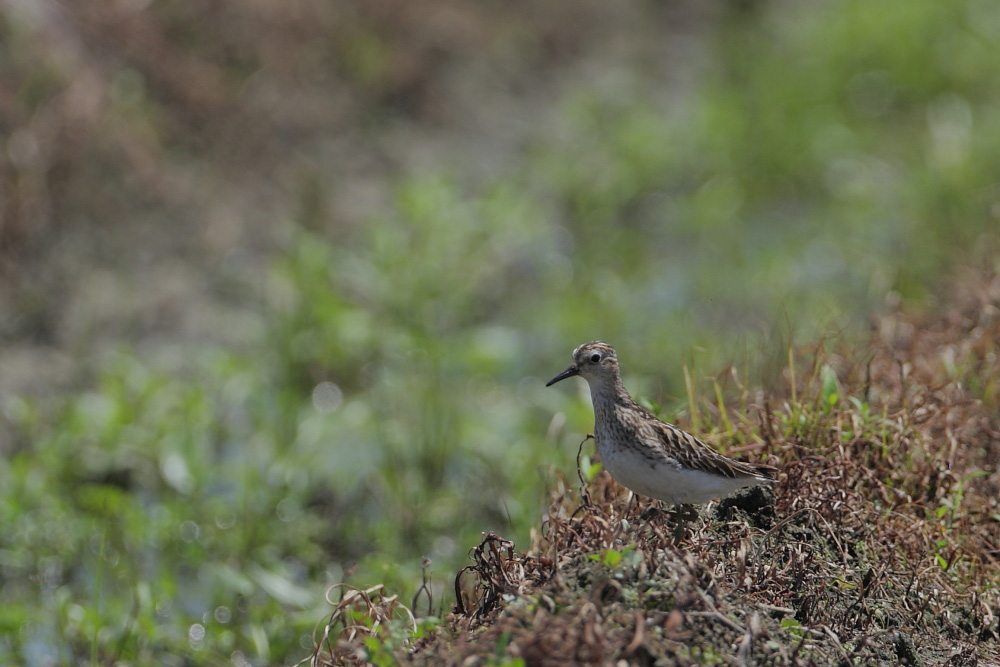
[664, 481]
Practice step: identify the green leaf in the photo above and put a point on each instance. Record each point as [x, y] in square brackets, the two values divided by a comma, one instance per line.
[831, 387]
[612, 557]
[793, 626]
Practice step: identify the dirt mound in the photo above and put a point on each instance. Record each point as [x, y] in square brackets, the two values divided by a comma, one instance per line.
[880, 544]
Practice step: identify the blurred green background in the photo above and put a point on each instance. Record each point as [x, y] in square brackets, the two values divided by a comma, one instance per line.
[282, 282]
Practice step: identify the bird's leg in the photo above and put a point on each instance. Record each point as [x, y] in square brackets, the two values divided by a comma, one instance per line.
[584, 492]
[632, 501]
[686, 512]
[682, 514]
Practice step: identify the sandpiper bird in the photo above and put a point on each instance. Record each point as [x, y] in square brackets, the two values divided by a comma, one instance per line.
[649, 456]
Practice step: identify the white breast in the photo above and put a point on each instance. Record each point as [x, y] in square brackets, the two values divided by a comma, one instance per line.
[664, 480]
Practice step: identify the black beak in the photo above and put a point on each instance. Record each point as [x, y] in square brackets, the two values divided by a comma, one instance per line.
[568, 373]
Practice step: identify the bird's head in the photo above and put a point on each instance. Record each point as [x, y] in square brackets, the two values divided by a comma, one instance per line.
[595, 361]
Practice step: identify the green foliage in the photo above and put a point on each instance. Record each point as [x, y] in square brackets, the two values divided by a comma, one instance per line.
[951, 506]
[157, 517]
[793, 626]
[591, 470]
[830, 387]
[812, 170]
[612, 558]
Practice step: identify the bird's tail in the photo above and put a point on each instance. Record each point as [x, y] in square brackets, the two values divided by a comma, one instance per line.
[770, 473]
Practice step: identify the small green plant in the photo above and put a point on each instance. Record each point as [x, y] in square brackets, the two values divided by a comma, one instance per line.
[499, 657]
[830, 388]
[590, 468]
[952, 505]
[612, 558]
[379, 652]
[796, 629]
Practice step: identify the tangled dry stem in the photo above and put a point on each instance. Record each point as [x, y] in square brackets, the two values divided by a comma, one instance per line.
[360, 613]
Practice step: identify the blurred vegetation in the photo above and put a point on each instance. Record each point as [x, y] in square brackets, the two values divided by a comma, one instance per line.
[393, 405]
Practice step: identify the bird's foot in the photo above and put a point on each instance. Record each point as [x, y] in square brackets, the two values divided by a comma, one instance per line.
[651, 513]
[685, 513]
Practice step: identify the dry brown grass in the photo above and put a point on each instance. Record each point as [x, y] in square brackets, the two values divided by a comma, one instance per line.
[881, 544]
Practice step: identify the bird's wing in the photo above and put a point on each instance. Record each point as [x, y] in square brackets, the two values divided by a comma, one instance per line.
[688, 451]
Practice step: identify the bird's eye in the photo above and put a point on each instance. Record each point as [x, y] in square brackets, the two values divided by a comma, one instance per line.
[594, 358]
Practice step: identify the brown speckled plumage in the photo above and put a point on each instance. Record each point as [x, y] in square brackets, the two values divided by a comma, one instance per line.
[647, 455]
